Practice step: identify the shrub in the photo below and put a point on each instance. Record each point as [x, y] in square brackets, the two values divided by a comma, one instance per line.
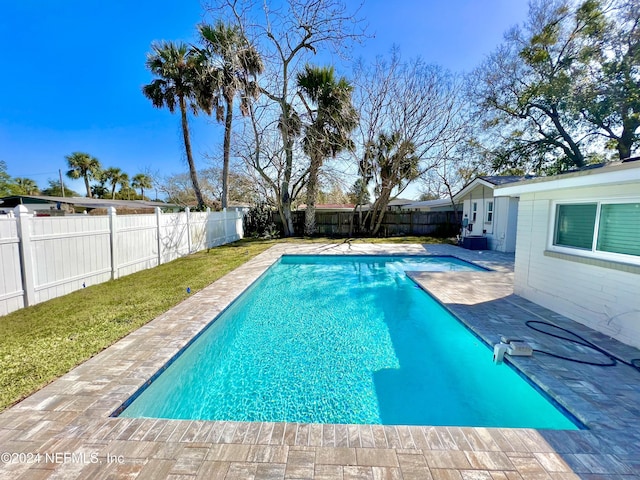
[258, 222]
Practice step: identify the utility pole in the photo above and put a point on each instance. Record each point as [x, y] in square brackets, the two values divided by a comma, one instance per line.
[61, 182]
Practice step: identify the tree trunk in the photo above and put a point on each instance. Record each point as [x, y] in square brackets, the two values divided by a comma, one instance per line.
[287, 221]
[625, 141]
[576, 156]
[310, 220]
[226, 151]
[312, 193]
[623, 150]
[353, 213]
[187, 147]
[380, 206]
[86, 184]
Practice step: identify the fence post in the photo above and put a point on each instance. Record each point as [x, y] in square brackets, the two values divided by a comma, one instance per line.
[208, 242]
[239, 224]
[224, 224]
[23, 218]
[111, 211]
[187, 212]
[158, 232]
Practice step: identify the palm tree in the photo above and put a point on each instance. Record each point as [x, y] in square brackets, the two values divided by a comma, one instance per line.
[141, 181]
[126, 191]
[393, 162]
[83, 165]
[26, 186]
[175, 68]
[99, 190]
[230, 66]
[116, 176]
[332, 120]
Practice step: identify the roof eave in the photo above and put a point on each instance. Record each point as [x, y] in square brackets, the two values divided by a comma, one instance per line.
[470, 186]
[617, 174]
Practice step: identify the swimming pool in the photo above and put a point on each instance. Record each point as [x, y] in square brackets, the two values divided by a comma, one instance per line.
[344, 339]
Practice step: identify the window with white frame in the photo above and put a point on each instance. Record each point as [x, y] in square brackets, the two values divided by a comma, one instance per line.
[489, 212]
[606, 229]
[474, 211]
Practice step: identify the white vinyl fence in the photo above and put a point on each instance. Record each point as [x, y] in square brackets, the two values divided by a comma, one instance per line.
[46, 257]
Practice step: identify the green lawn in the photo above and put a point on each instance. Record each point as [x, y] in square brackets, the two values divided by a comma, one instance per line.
[40, 343]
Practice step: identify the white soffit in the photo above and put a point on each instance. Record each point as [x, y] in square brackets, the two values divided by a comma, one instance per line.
[608, 175]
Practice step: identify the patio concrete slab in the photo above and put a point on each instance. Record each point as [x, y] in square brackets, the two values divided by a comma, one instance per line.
[65, 430]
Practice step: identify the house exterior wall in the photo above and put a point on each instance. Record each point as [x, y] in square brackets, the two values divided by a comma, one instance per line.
[501, 231]
[41, 207]
[480, 196]
[602, 294]
[508, 221]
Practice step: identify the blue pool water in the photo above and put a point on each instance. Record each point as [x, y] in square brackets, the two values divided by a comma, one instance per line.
[344, 339]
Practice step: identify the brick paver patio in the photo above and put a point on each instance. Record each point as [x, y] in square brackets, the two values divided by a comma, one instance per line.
[65, 431]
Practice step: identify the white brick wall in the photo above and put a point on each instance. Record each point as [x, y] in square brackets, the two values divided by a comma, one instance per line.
[605, 299]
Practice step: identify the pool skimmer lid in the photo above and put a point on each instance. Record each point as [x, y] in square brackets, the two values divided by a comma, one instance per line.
[512, 347]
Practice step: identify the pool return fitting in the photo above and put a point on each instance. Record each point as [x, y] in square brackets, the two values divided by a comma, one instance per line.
[512, 347]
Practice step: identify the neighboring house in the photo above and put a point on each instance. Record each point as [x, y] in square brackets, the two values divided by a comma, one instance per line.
[238, 206]
[47, 205]
[394, 205]
[578, 246]
[397, 203]
[487, 215]
[439, 205]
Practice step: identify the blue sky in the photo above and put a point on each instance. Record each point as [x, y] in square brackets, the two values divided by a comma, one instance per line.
[72, 73]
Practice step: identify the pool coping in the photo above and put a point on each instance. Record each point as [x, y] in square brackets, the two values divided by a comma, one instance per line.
[71, 415]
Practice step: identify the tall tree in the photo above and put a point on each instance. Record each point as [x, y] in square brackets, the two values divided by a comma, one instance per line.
[332, 117]
[231, 66]
[126, 191]
[116, 177]
[25, 186]
[527, 88]
[5, 180]
[467, 159]
[410, 117]
[55, 189]
[242, 188]
[287, 36]
[331, 192]
[610, 100]
[358, 193]
[141, 181]
[82, 165]
[99, 189]
[395, 163]
[178, 188]
[176, 70]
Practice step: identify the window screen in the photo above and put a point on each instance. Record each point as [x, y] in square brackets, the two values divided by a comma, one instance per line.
[619, 228]
[575, 225]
